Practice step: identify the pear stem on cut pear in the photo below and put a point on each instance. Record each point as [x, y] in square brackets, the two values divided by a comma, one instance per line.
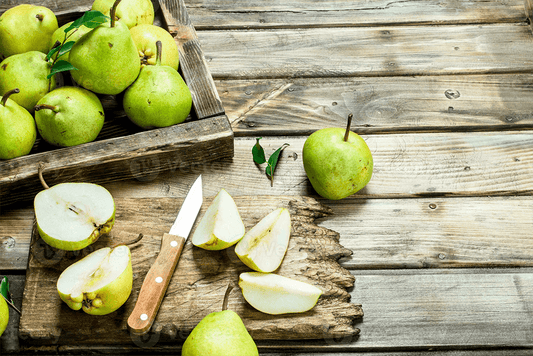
[8, 94]
[46, 106]
[226, 296]
[347, 133]
[40, 170]
[112, 12]
[159, 52]
[128, 243]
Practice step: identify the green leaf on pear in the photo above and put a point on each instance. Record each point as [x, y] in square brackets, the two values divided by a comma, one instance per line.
[60, 66]
[258, 152]
[273, 161]
[91, 19]
[4, 288]
[53, 51]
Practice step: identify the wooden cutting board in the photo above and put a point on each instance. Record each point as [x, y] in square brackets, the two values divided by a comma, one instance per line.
[199, 282]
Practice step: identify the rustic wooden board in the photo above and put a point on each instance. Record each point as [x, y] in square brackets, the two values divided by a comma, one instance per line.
[245, 14]
[368, 51]
[200, 280]
[379, 104]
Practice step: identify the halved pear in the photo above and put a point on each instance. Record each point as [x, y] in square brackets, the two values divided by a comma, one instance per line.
[99, 283]
[221, 226]
[71, 216]
[274, 294]
[264, 246]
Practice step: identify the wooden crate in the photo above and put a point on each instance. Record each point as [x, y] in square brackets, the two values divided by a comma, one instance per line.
[123, 151]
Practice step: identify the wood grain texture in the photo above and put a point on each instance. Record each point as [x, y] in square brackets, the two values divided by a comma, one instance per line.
[200, 280]
[379, 105]
[374, 51]
[245, 14]
[65, 10]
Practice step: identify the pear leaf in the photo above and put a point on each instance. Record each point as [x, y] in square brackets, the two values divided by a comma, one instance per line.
[4, 289]
[273, 161]
[66, 47]
[53, 51]
[60, 66]
[258, 152]
[91, 19]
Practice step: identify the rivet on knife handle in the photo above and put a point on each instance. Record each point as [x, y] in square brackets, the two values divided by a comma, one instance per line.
[155, 284]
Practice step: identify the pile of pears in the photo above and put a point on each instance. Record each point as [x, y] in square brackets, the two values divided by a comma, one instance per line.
[52, 78]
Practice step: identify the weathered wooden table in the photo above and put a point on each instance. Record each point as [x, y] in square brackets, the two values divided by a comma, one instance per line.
[442, 91]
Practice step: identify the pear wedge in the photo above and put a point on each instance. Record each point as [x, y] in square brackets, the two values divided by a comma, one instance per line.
[264, 246]
[274, 294]
[100, 283]
[221, 226]
[71, 216]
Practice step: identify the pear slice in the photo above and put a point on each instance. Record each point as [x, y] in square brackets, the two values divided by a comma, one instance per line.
[264, 246]
[99, 283]
[274, 294]
[221, 226]
[71, 216]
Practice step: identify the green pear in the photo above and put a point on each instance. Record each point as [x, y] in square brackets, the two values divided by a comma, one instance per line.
[106, 58]
[220, 334]
[71, 216]
[158, 98]
[17, 128]
[145, 38]
[337, 162]
[59, 36]
[69, 116]
[26, 28]
[130, 12]
[28, 72]
[99, 283]
[4, 314]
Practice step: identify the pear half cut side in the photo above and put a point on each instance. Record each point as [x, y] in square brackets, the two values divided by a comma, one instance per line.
[100, 283]
[71, 216]
[274, 294]
[264, 246]
[221, 226]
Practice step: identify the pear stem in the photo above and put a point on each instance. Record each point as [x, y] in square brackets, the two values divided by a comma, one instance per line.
[159, 52]
[226, 296]
[46, 106]
[41, 169]
[347, 133]
[8, 94]
[11, 304]
[113, 12]
[131, 242]
[40, 17]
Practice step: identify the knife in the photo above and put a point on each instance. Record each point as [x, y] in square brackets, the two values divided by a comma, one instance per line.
[158, 277]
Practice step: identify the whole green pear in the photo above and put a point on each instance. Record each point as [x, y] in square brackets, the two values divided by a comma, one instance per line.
[220, 334]
[337, 162]
[146, 36]
[28, 72]
[158, 98]
[130, 12]
[106, 58]
[4, 314]
[17, 128]
[25, 28]
[59, 35]
[69, 116]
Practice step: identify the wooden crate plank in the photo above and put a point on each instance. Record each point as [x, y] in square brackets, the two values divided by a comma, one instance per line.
[192, 61]
[245, 14]
[374, 51]
[65, 10]
[143, 155]
[379, 104]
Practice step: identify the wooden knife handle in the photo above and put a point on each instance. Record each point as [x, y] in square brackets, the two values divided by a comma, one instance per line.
[155, 284]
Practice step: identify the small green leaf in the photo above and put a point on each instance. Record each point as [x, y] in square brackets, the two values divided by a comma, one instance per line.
[258, 153]
[66, 48]
[60, 66]
[89, 19]
[4, 289]
[273, 161]
[52, 52]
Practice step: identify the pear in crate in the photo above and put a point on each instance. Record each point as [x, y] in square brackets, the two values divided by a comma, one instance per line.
[59, 35]
[129, 12]
[146, 37]
[274, 294]
[26, 28]
[221, 226]
[17, 128]
[264, 246]
[100, 283]
[159, 97]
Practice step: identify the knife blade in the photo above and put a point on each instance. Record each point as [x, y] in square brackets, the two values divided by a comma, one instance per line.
[158, 277]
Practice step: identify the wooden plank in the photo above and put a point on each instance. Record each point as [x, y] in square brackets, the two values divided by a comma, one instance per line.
[192, 61]
[379, 104]
[142, 156]
[375, 51]
[65, 10]
[201, 278]
[245, 14]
